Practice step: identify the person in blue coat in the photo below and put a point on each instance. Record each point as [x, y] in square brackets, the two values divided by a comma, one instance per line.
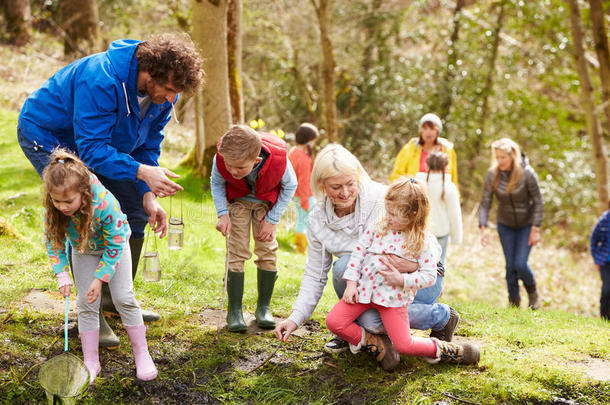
[600, 250]
[111, 108]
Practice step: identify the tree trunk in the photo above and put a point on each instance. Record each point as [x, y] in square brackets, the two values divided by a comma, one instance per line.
[210, 34]
[600, 37]
[446, 88]
[18, 21]
[234, 54]
[588, 103]
[491, 70]
[328, 68]
[79, 20]
[371, 27]
[302, 85]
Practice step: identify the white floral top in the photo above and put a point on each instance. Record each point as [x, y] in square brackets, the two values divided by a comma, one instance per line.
[365, 262]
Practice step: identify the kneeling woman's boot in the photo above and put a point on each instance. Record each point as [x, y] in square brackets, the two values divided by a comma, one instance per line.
[235, 291]
[266, 281]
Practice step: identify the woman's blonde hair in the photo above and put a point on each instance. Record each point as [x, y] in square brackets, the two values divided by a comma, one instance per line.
[335, 160]
[66, 171]
[511, 148]
[408, 198]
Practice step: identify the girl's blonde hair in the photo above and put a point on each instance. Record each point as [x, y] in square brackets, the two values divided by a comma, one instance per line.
[335, 160]
[437, 161]
[409, 198]
[66, 171]
[510, 147]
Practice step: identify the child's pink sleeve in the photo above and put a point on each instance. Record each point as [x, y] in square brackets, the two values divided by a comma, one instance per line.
[58, 258]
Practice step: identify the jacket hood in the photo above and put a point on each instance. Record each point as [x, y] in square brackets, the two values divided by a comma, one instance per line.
[444, 142]
[122, 56]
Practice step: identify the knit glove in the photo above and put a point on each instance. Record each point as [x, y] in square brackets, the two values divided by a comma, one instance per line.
[63, 279]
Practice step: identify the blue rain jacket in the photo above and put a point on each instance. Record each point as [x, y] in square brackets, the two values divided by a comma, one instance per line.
[91, 107]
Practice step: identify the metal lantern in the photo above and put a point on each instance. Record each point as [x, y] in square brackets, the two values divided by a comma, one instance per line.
[151, 270]
[175, 238]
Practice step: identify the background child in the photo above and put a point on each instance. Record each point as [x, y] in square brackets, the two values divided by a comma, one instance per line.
[300, 157]
[372, 282]
[445, 211]
[600, 250]
[80, 209]
[252, 173]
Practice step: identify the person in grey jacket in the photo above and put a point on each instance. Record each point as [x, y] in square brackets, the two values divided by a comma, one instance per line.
[349, 202]
[515, 184]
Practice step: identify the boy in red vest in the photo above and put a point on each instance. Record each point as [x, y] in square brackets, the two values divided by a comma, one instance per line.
[252, 174]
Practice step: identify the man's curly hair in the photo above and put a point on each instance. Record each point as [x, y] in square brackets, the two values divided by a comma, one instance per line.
[171, 56]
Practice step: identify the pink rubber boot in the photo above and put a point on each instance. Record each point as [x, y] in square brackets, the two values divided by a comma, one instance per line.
[90, 341]
[145, 368]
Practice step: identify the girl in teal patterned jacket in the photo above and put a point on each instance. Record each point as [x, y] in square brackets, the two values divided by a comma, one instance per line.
[81, 211]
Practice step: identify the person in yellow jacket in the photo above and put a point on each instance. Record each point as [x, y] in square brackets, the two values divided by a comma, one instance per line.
[412, 157]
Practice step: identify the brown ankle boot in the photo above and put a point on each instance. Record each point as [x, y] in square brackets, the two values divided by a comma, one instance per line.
[463, 353]
[532, 294]
[375, 344]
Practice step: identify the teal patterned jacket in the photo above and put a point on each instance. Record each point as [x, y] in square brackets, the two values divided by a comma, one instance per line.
[109, 233]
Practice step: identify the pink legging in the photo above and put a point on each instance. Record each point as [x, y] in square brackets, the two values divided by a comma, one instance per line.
[340, 321]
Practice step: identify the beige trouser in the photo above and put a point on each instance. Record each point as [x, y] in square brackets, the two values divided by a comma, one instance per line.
[245, 214]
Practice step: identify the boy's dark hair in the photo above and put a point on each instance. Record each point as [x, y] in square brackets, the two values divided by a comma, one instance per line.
[171, 56]
[240, 143]
[305, 133]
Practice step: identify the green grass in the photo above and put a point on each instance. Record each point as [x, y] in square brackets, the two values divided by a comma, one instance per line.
[527, 357]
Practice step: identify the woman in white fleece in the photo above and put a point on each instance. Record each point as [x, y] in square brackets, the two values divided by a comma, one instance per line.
[349, 202]
[445, 210]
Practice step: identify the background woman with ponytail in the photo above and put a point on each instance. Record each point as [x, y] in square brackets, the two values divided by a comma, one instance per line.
[445, 210]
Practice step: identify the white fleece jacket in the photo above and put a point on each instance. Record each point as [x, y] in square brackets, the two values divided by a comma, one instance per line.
[445, 214]
[328, 236]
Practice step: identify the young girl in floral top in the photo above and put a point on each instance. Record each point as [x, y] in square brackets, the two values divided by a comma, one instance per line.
[82, 211]
[374, 283]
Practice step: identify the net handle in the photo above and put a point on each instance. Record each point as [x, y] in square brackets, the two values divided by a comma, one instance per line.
[66, 324]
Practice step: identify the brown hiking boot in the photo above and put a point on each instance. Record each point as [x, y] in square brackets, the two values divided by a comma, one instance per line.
[375, 344]
[463, 353]
[532, 295]
[514, 302]
[391, 360]
[446, 333]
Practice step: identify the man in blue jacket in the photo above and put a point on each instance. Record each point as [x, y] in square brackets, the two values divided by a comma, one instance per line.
[111, 109]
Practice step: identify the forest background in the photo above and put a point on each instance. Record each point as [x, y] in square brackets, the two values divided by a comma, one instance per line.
[490, 69]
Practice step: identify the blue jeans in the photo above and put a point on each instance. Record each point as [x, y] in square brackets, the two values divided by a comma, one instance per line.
[125, 191]
[443, 240]
[516, 253]
[423, 313]
[38, 157]
[605, 298]
[131, 204]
